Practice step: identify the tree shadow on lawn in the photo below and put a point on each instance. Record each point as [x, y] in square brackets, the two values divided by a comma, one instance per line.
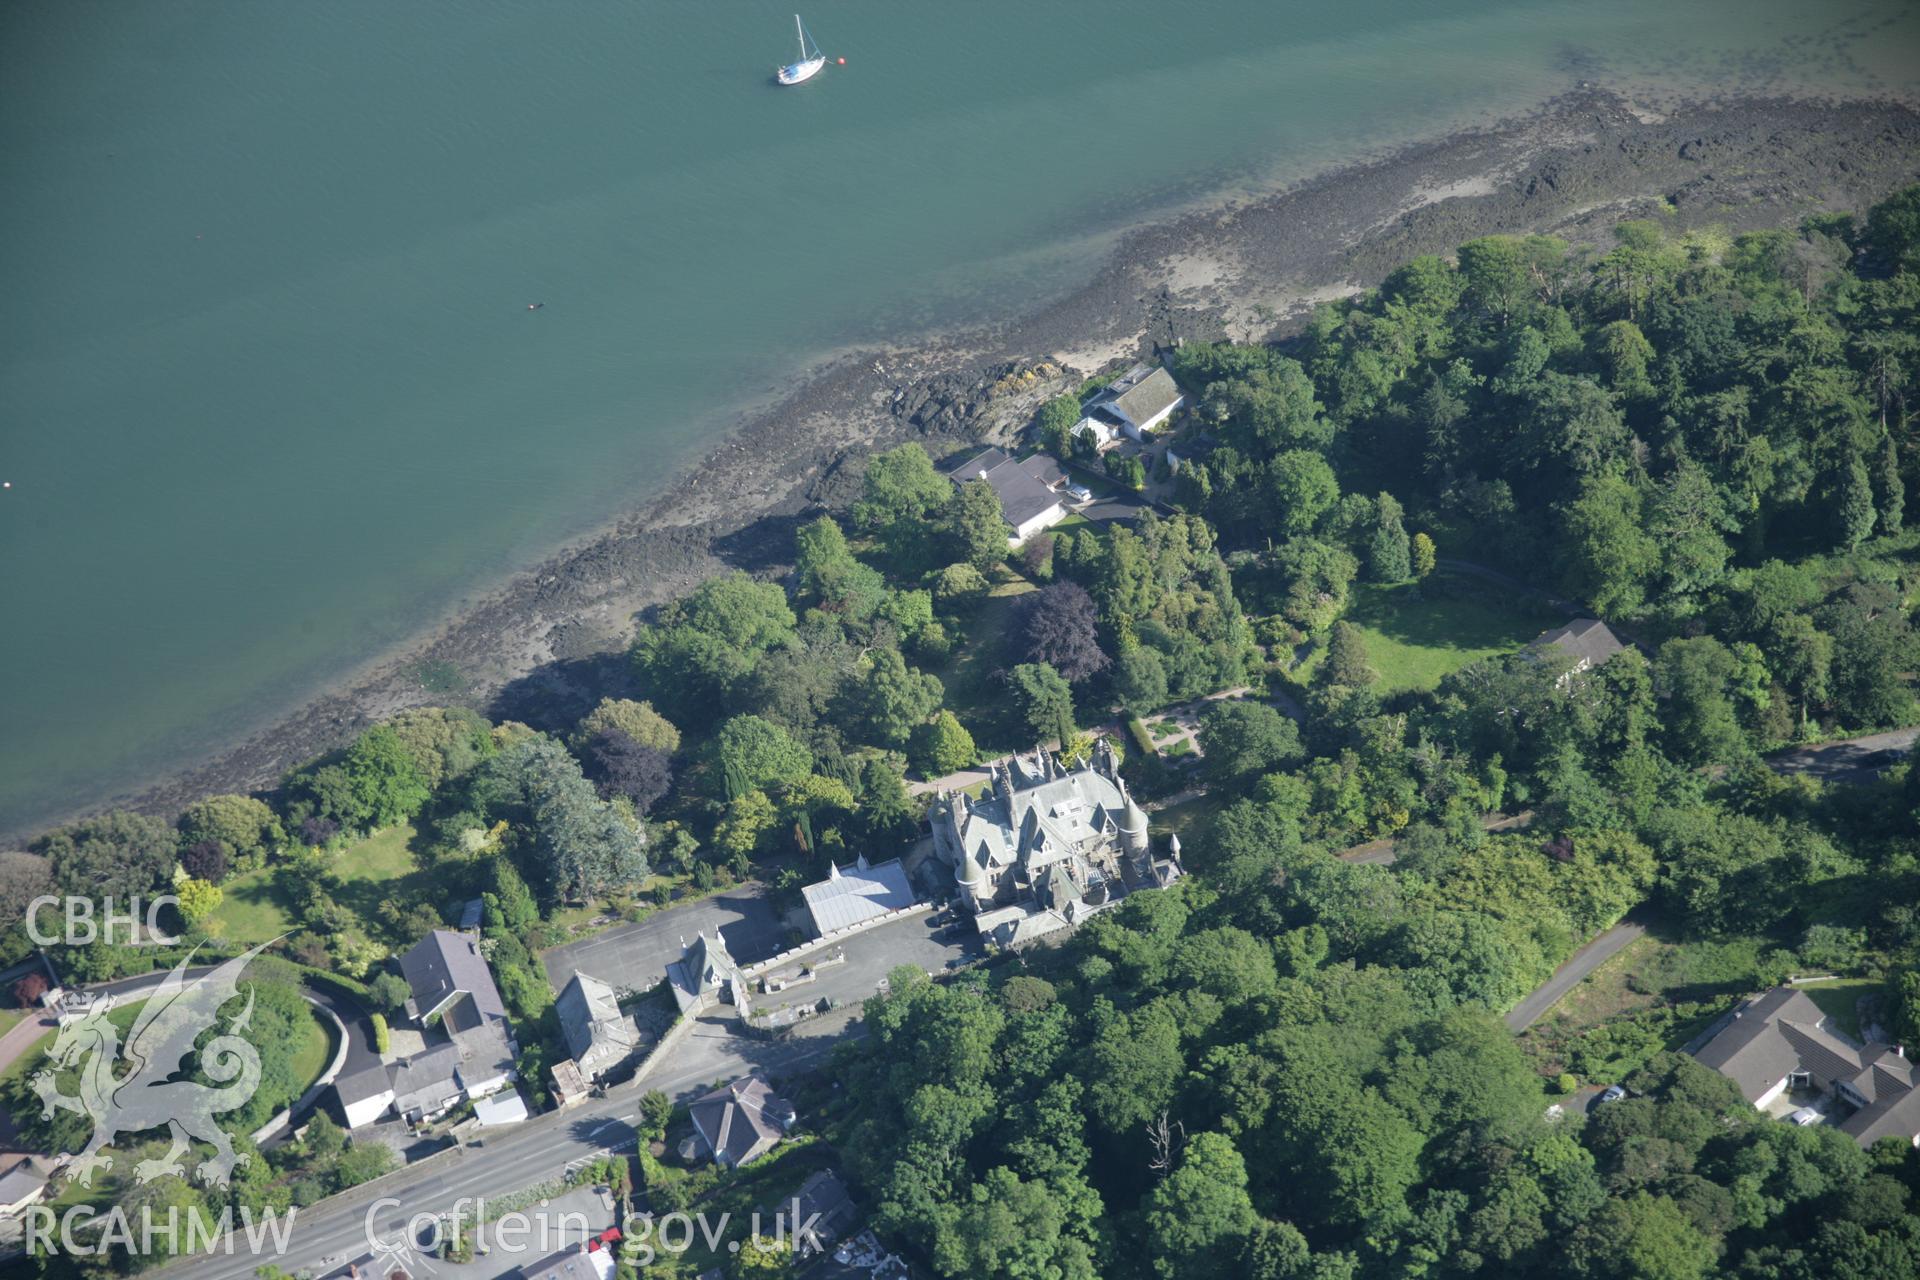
[1448, 614]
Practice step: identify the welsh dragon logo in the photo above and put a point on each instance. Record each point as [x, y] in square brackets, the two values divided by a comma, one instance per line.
[147, 1096]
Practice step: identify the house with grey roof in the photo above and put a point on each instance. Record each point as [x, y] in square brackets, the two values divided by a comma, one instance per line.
[821, 1206]
[24, 1185]
[1781, 1043]
[1028, 489]
[705, 975]
[469, 1051]
[1047, 847]
[1588, 641]
[598, 1034]
[443, 967]
[856, 893]
[741, 1121]
[1132, 405]
[364, 1095]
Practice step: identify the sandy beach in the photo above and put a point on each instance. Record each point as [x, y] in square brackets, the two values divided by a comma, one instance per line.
[551, 641]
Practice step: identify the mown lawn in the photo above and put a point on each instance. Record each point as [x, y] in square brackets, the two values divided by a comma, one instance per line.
[972, 695]
[1185, 818]
[1839, 999]
[1417, 634]
[253, 907]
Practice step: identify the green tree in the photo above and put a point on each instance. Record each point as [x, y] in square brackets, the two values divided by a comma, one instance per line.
[1056, 421]
[1424, 555]
[976, 529]
[1642, 1237]
[1853, 512]
[1302, 488]
[890, 699]
[638, 720]
[1045, 700]
[1012, 1229]
[116, 854]
[385, 780]
[244, 828]
[1389, 555]
[1199, 1218]
[1241, 739]
[445, 742]
[1346, 662]
[959, 586]
[900, 487]
[752, 754]
[942, 746]
[1140, 679]
[1891, 487]
[1608, 559]
[1697, 679]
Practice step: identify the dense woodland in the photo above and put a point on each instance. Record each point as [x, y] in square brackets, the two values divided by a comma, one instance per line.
[1291, 1065]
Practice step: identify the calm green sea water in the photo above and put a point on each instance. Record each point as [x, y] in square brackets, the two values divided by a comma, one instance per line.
[270, 396]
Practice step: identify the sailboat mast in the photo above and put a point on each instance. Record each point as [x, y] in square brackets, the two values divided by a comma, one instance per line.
[802, 32]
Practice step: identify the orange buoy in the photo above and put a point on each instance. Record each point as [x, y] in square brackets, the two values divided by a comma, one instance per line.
[843, 62]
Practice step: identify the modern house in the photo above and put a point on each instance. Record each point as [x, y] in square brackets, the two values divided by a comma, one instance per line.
[469, 1051]
[1028, 489]
[1780, 1046]
[705, 975]
[857, 893]
[1588, 641]
[598, 1035]
[742, 1121]
[1047, 847]
[1132, 405]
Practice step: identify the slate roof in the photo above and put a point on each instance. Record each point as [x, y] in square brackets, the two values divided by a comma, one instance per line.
[369, 1082]
[1588, 639]
[1784, 1031]
[857, 892]
[1022, 496]
[445, 964]
[741, 1121]
[823, 1195]
[702, 968]
[597, 1033]
[21, 1183]
[1044, 468]
[428, 1080]
[1141, 393]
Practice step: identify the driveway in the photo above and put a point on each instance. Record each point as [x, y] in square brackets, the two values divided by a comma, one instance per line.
[872, 955]
[1853, 760]
[637, 955]
[1569, 975]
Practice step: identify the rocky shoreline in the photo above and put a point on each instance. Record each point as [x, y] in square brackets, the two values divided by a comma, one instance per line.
[550, 642]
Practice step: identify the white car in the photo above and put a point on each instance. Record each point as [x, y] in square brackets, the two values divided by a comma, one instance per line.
[1079, 493]
[1614, 1093]
[1805, 1116]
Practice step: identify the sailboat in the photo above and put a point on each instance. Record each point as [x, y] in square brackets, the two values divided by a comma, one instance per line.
[811, 59]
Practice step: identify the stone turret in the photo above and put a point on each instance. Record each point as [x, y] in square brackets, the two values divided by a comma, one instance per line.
[1133, 829]
[1003, 784]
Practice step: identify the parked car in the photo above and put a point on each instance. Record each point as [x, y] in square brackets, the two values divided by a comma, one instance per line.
[1079, 493]
[1805, 1116]
[1614, 1093]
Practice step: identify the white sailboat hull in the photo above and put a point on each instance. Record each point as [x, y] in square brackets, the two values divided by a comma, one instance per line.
[800, 72]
